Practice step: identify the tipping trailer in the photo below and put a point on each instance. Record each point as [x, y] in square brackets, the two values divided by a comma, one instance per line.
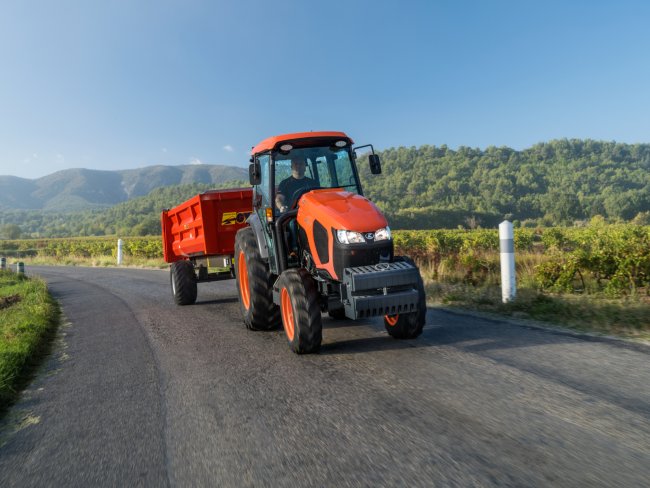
[199, 238]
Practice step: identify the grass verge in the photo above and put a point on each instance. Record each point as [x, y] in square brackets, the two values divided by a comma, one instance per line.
[28, 320]
[627, 317]
[100, 262]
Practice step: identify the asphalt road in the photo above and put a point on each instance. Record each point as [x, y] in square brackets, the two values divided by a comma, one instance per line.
[140, 392]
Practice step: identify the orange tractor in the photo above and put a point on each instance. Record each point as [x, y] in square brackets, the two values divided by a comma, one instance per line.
[311, 243]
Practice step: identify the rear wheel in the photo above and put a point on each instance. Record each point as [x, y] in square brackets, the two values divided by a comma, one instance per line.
[408, 325]
[301, 315]
[183, 282]
[254, 284]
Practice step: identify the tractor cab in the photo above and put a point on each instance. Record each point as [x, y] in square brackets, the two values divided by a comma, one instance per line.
[285, 168]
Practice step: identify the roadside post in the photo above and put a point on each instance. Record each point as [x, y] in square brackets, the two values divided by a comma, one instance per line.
[120, 244]
[20, 268]
[507, 247]
[3, 264]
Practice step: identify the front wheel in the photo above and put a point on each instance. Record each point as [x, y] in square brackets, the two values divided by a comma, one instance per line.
[301, 315]
[408, 325]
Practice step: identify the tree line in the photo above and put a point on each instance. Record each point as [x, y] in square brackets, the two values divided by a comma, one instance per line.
[553, 183]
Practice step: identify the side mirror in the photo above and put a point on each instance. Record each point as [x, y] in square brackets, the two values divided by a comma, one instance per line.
[255, 173]
[375, 164]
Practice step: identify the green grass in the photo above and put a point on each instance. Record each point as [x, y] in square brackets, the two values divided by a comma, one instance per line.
[627, 317]
[28, 319]
[99, 261]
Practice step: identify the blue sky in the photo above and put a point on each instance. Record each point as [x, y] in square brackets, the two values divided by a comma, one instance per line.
[126, 84]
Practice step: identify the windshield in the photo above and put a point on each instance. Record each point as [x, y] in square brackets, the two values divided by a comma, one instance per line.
[314, 167]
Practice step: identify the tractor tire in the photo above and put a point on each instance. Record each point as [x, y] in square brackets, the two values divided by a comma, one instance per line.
[301, 315]
[254, 284]
[408, 325]
[183, 282]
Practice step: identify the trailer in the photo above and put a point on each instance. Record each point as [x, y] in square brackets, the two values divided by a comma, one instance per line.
[199, 238]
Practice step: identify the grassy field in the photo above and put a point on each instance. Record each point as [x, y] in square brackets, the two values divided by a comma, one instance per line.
[28, 318]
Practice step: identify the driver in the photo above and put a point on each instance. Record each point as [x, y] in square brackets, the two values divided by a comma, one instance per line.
[284, 197]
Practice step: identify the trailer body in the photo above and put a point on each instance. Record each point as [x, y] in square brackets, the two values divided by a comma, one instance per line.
[202, 229]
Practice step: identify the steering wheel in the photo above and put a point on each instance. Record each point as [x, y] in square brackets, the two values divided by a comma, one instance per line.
[300, 192]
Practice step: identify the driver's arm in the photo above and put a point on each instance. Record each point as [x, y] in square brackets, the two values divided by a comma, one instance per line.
[280, 202]
[280, 196]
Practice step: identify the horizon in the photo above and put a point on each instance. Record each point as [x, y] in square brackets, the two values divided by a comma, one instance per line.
[120, 86]
[456, 148]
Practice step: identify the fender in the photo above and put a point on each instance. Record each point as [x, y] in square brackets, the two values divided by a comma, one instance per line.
[254, 221]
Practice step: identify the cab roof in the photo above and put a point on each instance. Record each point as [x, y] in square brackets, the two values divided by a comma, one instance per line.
[271, 142]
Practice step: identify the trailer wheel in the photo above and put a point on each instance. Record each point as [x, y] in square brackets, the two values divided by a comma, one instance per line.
[301, 315]
[254, 284]
[183, 282]
[408, 325]
[337, 314]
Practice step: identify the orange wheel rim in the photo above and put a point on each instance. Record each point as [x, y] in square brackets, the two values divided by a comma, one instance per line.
[391, 319]
[242, 271]
[287, 313]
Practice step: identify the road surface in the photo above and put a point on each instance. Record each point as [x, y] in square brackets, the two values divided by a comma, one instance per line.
[140, 392]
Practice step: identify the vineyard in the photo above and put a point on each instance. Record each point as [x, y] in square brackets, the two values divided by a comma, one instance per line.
[609, 259]
[612, 259]
[82, 247]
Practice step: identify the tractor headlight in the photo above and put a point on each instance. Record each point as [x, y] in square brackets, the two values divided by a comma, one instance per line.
[383, 234]
[349, 237]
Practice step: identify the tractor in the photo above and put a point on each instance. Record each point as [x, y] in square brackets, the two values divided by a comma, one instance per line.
[315, 244]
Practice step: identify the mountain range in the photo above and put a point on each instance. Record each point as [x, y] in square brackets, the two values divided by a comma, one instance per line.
[82, 189]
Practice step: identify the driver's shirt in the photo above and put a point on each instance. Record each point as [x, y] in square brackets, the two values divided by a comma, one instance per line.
[291, 185]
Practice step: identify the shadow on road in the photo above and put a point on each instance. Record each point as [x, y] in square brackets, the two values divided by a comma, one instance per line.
[369, 344]
[218, 301]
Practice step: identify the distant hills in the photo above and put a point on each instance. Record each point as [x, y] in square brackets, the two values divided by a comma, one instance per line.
[83, 189]
[560, 182]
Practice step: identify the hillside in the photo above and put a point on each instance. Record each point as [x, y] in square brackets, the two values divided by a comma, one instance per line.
[557, 182]
[554, 183]
[139, 216]
[80, 189]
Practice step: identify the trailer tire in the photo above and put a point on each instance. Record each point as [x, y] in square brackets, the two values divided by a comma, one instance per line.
[301, 314]
[254, 284]
[408, 325]
[337, 314]
[183, 282]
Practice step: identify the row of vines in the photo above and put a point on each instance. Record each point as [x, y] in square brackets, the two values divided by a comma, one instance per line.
[85, 247]
[614, 259]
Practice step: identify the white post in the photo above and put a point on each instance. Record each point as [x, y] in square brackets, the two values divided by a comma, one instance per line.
[3, 264]
[120, 243]
[507, 245]
[20, 268]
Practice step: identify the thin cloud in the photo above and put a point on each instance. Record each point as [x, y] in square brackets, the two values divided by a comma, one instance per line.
[229, 148]
[29, 159]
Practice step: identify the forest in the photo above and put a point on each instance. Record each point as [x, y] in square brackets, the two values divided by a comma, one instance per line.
[562, 182]
[556, 183]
